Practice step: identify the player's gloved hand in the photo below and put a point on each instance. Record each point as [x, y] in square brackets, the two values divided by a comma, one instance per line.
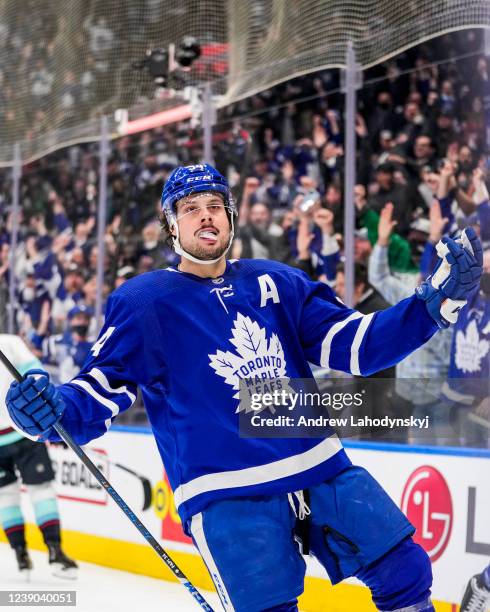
[34, 404]
[455, 276]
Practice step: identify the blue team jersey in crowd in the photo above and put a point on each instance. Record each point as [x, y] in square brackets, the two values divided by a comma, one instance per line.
[186, 341]
[469, 369]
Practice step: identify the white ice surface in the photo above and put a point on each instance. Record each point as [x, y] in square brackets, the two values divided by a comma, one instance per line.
[99, 589]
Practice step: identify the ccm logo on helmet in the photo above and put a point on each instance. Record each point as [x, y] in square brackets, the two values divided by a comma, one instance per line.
[206, 177]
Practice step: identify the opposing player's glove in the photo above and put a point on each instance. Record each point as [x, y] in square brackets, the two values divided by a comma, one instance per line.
[34, 404]
[455, 276]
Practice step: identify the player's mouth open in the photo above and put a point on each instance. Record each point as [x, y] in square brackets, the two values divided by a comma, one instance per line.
[209, 234]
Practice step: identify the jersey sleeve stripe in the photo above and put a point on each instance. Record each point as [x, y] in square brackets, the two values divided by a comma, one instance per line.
[259, 474]
[356, 345]
[327, 342]
[101, 378]
[455, 396]
[112, 406]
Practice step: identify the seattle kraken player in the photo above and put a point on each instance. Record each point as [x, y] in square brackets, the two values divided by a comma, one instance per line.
[186, 336]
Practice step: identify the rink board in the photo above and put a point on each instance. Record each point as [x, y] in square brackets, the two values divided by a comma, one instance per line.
[445, 494]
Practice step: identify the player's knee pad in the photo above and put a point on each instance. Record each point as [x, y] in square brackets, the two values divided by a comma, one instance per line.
[43, 497]
[10, 495]
[291, 606]
[401, 579]
[10, 511]
[41, 492]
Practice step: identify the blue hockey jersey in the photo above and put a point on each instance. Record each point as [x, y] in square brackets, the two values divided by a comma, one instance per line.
[186, 341]
[469, 368]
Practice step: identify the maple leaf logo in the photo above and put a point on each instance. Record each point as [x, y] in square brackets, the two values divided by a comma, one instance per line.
[256, 359]
[470, 349]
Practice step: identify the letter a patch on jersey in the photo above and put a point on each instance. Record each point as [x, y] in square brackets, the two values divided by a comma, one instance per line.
[268, 290]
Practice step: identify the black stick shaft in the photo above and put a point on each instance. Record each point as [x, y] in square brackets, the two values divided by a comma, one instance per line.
[13, 370]
[66, 437]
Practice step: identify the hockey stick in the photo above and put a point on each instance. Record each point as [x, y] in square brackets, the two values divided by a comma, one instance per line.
[145, 482]
[64, 435]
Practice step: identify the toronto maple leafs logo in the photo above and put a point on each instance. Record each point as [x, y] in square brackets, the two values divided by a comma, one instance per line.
[258, 362]
[470, 349]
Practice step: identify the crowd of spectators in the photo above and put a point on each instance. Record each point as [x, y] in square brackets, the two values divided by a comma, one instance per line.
[422, 172]
[61, 68]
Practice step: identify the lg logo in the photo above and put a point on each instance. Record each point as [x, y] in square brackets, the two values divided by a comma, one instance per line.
[426, 501]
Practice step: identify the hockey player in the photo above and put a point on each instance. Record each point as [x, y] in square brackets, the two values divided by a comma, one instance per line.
[32, 461]
[186, 336]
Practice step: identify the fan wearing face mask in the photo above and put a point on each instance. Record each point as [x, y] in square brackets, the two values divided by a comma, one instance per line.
[68, 350]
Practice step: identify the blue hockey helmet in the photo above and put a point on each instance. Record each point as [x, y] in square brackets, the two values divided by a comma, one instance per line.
[187, 180]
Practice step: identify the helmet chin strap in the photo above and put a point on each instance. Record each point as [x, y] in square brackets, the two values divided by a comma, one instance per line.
[180, 251]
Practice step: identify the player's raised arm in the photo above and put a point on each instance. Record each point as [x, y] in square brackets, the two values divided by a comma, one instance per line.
[340, 338]
[87, 404]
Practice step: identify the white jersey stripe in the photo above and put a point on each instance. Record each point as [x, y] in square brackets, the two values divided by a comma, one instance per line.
[327, 343]
[197, 531]
[356, 345]
[259, 474]
[112, 406]
[456, 396]
[100, 377]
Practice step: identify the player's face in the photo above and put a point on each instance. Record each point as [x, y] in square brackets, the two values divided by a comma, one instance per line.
[204, 228]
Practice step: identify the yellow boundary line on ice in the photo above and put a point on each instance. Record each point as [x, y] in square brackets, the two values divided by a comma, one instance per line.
[319, 596]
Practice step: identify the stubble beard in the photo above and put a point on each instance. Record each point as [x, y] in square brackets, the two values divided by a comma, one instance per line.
[206, 254]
